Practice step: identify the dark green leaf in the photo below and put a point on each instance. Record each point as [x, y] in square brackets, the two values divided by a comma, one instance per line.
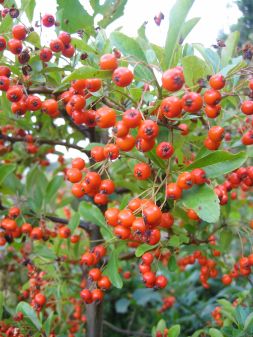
[92, 213]
[5, 170]
[194, 69]
[74, 222]
[226, 237]
[110, 10]
[29, 314]
[87, 72]
[129, 47]
[177, 18]
[174, 331]
[219, 162]
[188, 27]
[53, 187]
[229, 51]
[112, 269]
[34, 39]
[28, 6]
[143, 249]
[211, 57]
[172, 265]
[215, 333]
[122, 305]
[48, 323]
[73, 17]
[204, 201]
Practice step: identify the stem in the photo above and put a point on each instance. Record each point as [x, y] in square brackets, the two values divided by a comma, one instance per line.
[37, 140]
[126, 332]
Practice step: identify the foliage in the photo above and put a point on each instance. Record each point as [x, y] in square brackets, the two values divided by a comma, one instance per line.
[150, 224]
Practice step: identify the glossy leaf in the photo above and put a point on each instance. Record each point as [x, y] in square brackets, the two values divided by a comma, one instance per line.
[215, 333]
[218, 163]
[188, 27]
[28, 6]
[229, 51]
[87, 72]
[174, 331]
[29, 314]
[204, 201]
[177, 18]
[5, 170]
[194, 69]
[73, 17]
[74, 222]
[92, 213]
[53, 187]
[143, 249]
[112, 269]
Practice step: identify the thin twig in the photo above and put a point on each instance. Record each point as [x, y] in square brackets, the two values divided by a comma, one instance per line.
[126, 332]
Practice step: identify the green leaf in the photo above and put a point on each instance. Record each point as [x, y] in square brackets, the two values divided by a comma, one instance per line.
[188, 27]
[1, 304]
[48, 323]
[228, 52]
[172, 265]
[143, 249]
[146, 46]
[28, 6]
[194, 69]
[110, 10]
[248, 322]
[204, 201]
[36, 183]
[29, 314]
[161, 325]
[43, 251]
[129, 47]
[227, 306]
[34, 39]
[122, 305]
[73, 17]
[112, 269]
[211, 57]
[6, 24]
[219, 163]
[174, 241]
[53, 187]
[197, 333]
[5, 170]
[174, 331]
[177, 18]
[92, 213]
[74, 222]
[215, 333]
[87, 72]
[226, 237]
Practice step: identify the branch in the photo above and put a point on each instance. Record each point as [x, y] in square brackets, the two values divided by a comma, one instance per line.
[81, 128]
[126, 332]
[41, 90]
[83, 224]
[14, 139]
